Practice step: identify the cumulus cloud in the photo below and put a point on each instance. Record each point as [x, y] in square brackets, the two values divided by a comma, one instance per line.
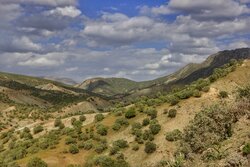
[44, 60]
[201, 9]
[22, 44]
[69, 11]
[120, 29]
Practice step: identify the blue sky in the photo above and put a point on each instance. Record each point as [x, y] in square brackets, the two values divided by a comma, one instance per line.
[136, 39]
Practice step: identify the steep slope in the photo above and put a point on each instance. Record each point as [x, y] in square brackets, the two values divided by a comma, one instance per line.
[189, 73]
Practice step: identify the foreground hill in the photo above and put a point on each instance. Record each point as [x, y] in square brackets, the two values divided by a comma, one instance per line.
[205, 123]
[186, 75]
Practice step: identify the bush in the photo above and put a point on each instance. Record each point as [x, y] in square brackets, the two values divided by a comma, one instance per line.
[135, 147]
[150, 147]
[99, 117]
[113, 150]
[57, 122]
[82, 118]
[145, 122]
[174, 135]
[122, 121]
[173, 100]
[120, 143]
[116, 127]
[206, 89]
[106, 161]
[36, 162]
[155, 128]
[100, 147]
[223, 94]
[152, 112]
[73, 121]
[37, 129]
[102, 130]
[197, 93]
[172, 113]
[70, 140]
[130, 113]
[209, 127]
[246, 149]
[73, 149]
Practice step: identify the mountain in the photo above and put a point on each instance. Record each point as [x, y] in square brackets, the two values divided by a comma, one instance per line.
[190, 126]
[189, 73]
[64, 80]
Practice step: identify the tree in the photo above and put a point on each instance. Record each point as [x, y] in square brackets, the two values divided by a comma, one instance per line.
[38, 129]
[130, 113]
[57, 122]
[82, 118]
[99, 117]
[73, 149]
[36, 162]
[172, 113]
[150, 147]
[155, 128]
[145, 122]
[102, 130]
[223, 94]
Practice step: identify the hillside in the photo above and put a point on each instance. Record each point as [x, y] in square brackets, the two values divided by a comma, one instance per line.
[211, 115]
[25, 99]
[191, 72]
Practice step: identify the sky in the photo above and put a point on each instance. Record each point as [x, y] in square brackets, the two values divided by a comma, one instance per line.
[136, 39]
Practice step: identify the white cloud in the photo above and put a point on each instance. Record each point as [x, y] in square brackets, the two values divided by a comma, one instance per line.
[24, 43]
[69, 11]
[201, 9]
[44, 60]
[72, 69]
[43, 2]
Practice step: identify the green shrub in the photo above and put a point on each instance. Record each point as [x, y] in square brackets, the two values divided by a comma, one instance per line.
[113, 150]
[99, 148]
[70, 140]
[105, 161]
[209, 127]
[135, 147]
[36, 162]
[37, 129]
[120, 143]
[122, 121]
[102, 130]
[197, 93]
[73, 149]
[116, 127]
[145, 122]
[130, 113]
[57, 122]
[173, 100]
[172, 113]
[244, 92]
[150, 147]
[174, 135]
[73, 120]
[152, 112]
[223, 94]
[99, 117]
[155, 128]
[246, 149]
[82, 118]
[206, 89]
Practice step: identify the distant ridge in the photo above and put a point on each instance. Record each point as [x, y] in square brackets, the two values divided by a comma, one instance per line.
[187, 74]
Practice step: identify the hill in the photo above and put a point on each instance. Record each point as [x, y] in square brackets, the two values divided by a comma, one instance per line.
[204, 123]
[28, 99]
[191, 72]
